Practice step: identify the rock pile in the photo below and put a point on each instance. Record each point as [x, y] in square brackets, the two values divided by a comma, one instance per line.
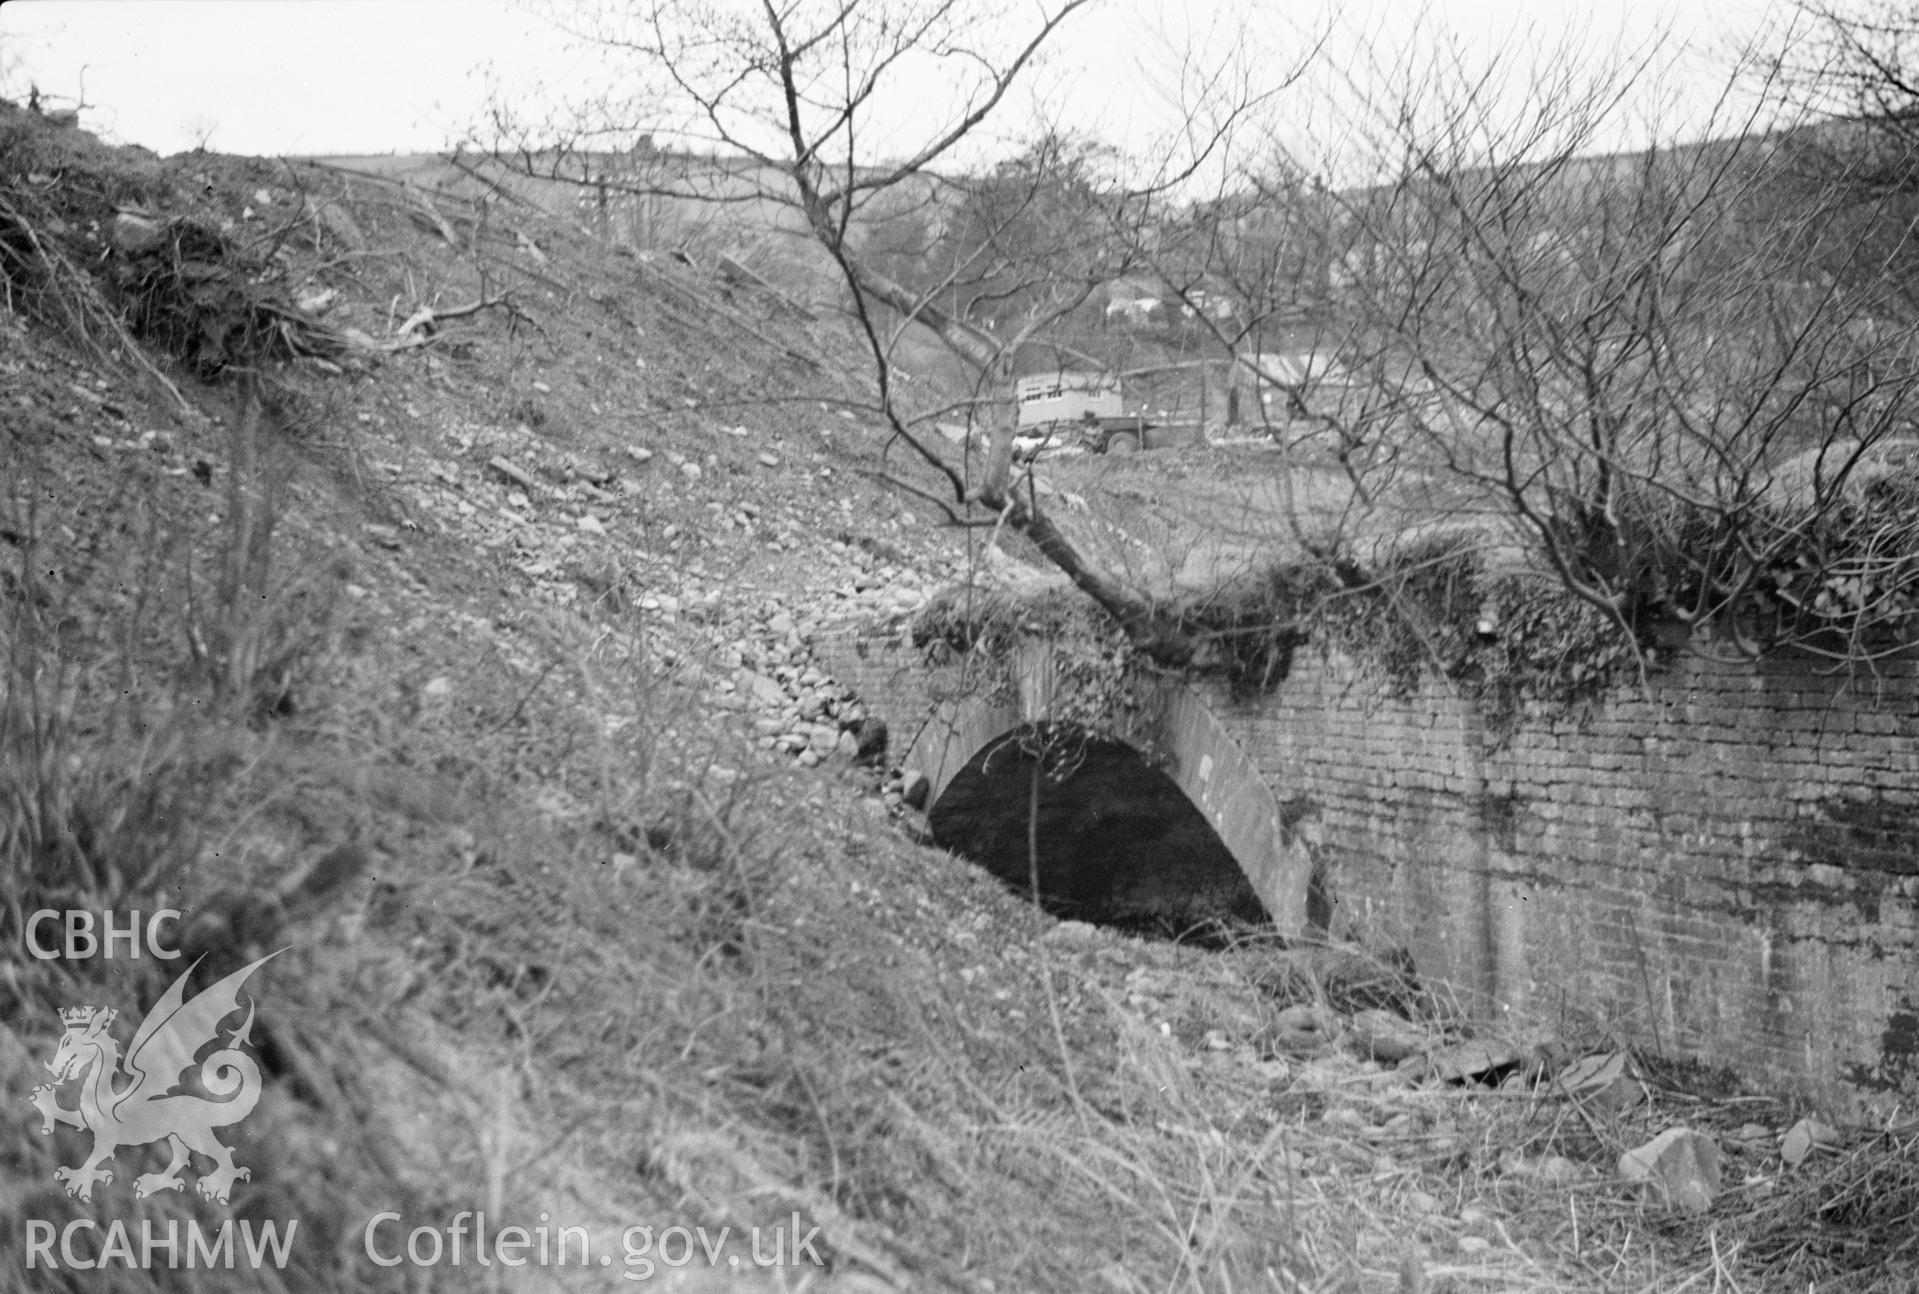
[803, 713]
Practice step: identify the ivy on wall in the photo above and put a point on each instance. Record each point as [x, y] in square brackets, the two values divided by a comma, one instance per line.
[1098, 672]
[1511, 643]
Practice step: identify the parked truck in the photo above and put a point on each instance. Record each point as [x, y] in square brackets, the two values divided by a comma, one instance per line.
[1063, 397]
[1088, 409]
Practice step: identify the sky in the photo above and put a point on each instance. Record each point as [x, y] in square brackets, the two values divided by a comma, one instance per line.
[306, 77]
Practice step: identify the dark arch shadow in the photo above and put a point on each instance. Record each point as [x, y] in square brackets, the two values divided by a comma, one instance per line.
[1119, 843]
[1195, 751]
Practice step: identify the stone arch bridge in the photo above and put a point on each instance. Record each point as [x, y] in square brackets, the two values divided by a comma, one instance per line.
[1167, 819]
[1720, 863]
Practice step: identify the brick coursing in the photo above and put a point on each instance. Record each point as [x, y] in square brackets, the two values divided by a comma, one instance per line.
[1724, 865]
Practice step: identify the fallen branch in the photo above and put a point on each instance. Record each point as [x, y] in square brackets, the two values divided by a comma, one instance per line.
[428, 217]
[420, 327]
[426, 318]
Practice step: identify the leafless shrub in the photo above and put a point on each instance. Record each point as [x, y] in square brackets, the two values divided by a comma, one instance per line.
[1669, 378]
[252, 628]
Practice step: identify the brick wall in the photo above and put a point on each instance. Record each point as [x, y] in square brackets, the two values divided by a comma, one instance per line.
[1725, 867]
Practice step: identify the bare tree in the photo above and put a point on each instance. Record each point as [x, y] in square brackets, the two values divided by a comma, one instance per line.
[1856, 65]
[1667, 376]
[1853, 70]
[843, 111]
[199, 130]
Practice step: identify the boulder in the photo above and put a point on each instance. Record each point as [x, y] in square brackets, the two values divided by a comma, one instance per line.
[1385, 1037]
[1805, 1137]
[1679, 1167]
[132, 233]
[761, 688]
[869, 737]
[1305, 1029]
[1609, 1082]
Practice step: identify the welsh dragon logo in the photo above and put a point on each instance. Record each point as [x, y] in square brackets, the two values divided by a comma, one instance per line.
[146, 1108]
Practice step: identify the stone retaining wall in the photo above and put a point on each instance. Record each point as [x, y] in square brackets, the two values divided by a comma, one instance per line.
[1725, 868]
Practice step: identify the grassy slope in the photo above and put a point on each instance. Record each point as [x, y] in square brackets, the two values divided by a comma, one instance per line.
[606, 959]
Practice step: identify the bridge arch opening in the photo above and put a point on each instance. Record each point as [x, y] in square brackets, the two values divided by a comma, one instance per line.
[1118, 842]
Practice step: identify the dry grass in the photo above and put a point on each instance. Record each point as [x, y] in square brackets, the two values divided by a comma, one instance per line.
[601, 962]
[613, 972]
